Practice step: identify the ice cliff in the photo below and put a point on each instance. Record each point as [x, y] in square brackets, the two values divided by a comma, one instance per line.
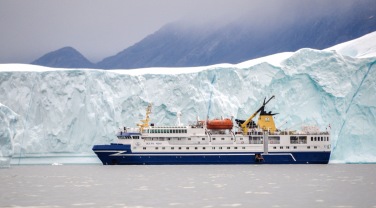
[8, 126]
[67, 111]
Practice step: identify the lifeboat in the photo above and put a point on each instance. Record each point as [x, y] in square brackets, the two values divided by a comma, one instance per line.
[219, 124]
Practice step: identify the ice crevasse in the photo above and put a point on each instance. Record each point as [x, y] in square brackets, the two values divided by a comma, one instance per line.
[69, 110]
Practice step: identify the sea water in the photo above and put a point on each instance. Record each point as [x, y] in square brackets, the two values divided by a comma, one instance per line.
[333, 185]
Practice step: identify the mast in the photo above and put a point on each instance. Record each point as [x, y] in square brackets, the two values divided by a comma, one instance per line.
[145, 122]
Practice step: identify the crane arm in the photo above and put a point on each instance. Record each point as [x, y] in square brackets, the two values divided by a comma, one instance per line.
[244, 125]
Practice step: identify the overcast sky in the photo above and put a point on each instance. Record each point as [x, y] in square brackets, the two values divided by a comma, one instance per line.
[101, 28]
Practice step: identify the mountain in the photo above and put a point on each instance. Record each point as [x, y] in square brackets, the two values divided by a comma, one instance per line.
[62, 113]
[182, 44]
[66, 57]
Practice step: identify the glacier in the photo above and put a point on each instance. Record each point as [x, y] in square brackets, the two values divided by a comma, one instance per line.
[64, 112]
[8, 131]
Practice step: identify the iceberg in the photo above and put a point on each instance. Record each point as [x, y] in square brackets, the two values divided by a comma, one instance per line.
[67, 111]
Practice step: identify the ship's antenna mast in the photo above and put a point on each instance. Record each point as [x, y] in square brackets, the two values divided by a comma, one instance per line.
[145, 122]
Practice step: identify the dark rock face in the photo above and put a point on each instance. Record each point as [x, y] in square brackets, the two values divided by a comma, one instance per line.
[66, 57]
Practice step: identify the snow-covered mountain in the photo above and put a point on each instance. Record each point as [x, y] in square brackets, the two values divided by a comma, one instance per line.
[66, 111]
[253, 35]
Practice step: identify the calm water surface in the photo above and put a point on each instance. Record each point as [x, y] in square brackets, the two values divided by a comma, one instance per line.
[189, 186]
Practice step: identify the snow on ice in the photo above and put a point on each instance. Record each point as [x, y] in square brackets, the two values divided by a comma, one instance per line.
[69, 110]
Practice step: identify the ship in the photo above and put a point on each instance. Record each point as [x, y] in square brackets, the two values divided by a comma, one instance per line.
[216, 141]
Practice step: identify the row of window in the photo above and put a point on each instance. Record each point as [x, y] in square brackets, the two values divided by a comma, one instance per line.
[228, 148]
[128, 137]
[320, 139]
[166, 131]
[195, 148]
[179, 138]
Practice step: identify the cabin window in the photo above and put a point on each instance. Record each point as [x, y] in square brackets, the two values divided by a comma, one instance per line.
[311, 139]
[144, 148]
[321, 139]
[243, 147]
[203, 148]
[213, 138]
[295, 147]
[287, 147]
[220, 147]
[222, 138]
[280, 147]
[172, 148]
[298, 139]
[235, 147]
[308, 147]
[189, 138]
[213, 147]
[228, 147]
[315, 147]
[187, 148]
[241, 138]
[156, 148]
[203, 138]
[196, 148]
[274, 140]
[274, 147]
[163, 148]
[255, 140]
[315, 139]
[180, 148]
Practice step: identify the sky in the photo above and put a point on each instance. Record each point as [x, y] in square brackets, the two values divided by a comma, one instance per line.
[102, 28]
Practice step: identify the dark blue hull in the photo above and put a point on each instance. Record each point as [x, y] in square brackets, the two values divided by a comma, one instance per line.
[115, 154]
